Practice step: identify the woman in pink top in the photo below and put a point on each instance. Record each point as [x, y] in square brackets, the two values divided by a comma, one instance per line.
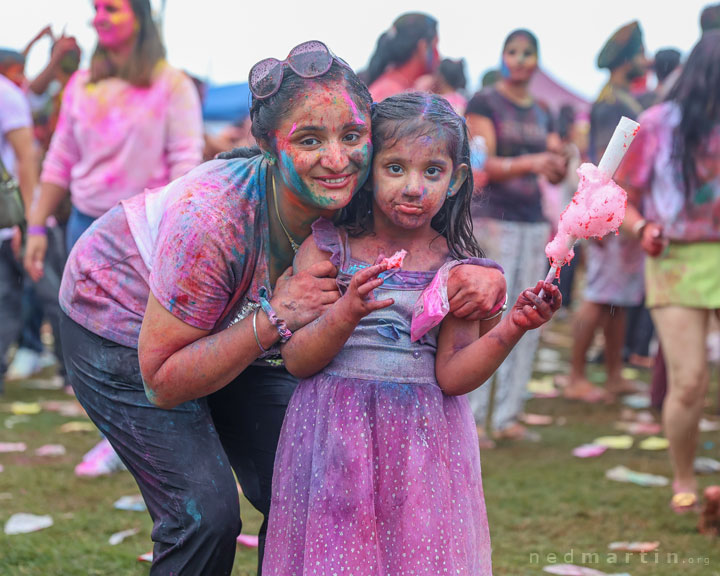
[130, 122]
[673, 172]
[407, 51]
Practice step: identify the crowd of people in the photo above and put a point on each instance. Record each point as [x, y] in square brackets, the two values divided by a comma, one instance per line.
[251, 315]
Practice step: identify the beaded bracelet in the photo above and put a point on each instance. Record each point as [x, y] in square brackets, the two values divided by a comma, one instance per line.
[279, 323]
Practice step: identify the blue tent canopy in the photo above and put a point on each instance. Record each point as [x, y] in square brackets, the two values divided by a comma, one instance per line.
[228, 103]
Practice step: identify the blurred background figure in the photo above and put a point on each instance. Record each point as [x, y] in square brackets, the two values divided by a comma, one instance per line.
[673, 173]
[128, 123]
[404, 53]
[17, 160]
[449, 82]
[508, 219]
[666, 66]
[615, 263]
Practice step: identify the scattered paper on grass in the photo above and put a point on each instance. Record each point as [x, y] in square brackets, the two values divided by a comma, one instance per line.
[43, 384]
[623, 442]
[70, 408]
[25, 408]
[118, 537]
[654, 443]
[623, 474]
[12, 447]
[134, 503]
[634, 546]
[639, 428]
[542, 387]
[589, 451]
[22, 523]
[248, 540]
[5, 496]
[14, 420]
[630, 373]
[709, 425]
[637, 401]
[572, 570]
[536, 419]
[77, 426]
[147, 557]
[705, 465]
[51, 450]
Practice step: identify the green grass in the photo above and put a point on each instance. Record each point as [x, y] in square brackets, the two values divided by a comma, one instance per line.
[544, 505]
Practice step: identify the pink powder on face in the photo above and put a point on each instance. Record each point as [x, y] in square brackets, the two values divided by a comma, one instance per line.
[596, 209]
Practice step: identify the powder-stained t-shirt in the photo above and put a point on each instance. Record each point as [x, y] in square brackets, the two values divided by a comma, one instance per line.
[650, 166]
[114, 139]
[519, 130]
[197, 244]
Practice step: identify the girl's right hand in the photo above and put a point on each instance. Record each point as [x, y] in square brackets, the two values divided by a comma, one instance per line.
[301, 298]
[531, 311]
[358, 300]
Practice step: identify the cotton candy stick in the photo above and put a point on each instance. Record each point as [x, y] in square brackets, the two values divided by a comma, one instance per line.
[617, 147]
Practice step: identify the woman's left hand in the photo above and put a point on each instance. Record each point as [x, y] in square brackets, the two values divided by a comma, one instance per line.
[531, 311]
[473, 291]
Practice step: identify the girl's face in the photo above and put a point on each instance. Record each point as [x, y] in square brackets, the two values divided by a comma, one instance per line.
[519, 59]
[115, 23]
[411, 181]
[323, 147]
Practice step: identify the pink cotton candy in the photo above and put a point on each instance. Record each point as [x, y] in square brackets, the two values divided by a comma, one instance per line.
[396, 260]
[596, 209]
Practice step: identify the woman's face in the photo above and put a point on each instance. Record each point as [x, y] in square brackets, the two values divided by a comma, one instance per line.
[519, 59]
[115, 23]
[323, 147]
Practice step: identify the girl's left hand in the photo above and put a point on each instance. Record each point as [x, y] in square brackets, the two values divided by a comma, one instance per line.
[530, 311]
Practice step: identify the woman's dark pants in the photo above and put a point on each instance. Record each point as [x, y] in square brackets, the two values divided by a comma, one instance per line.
[182, 459]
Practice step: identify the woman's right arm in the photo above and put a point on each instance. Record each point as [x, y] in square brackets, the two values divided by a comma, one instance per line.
[63, 154]
[180, 362]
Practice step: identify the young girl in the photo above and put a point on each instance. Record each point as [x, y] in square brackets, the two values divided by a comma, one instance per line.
[378, 468]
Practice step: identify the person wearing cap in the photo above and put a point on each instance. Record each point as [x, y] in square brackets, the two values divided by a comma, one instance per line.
[615, 263]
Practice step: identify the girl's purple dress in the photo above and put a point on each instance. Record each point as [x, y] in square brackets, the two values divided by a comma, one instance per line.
[377, 471]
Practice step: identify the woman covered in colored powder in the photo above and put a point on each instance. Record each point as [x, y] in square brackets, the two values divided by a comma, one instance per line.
[509, 218]
[176, 299]
[378, 467]
[673, 170]
[128, 123]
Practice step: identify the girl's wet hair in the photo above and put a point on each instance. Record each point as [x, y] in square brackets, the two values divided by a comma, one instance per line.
[697, 94]
[413, 115]
[522, 32]
[398, 44]
[146, 53]
[268, 113]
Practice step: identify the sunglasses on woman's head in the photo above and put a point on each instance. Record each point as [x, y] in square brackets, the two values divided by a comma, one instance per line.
[308, 60]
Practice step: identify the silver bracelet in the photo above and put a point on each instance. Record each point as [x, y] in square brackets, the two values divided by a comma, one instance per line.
[254, 322]
[503, 308]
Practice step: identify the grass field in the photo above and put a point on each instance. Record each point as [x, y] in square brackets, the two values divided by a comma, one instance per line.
[545, 506]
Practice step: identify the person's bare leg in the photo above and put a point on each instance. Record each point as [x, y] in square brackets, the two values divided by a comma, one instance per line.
[682, 333]
[614, 331]
[585, 321]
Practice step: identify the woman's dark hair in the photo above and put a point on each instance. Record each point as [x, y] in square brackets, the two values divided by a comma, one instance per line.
[414, 115]
[527, 34]
[697, 94]
[398, 44]
[268, 113]
[147, 52]
[453, 72]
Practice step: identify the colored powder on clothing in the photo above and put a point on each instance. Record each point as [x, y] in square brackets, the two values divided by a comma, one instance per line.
[596, 209]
